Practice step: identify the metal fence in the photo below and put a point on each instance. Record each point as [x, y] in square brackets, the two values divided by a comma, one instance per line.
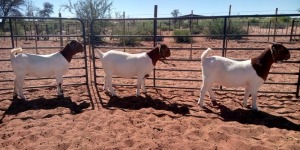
[182, 69]
[42, 36]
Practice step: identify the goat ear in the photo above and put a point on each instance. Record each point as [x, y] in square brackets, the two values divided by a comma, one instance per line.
[73, 44]
[276, 46]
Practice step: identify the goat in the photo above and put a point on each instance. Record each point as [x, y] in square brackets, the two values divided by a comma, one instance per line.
[32, 65]
[128, 65]
[250, 74]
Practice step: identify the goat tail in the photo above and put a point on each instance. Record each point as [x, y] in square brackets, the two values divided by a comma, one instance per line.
[205, 53]
[14, 51]
[99, 53]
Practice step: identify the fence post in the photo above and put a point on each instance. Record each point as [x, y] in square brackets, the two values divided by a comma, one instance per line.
[292, 30]
[248, 25]
[298, 84]
[60, 30]
[191, 31]
[15, 24]
[11, 34]
[269, 30]
[36, 38]
[224, 37]
[25, 32]
[275, 25]
[154, 37]
[124, 26]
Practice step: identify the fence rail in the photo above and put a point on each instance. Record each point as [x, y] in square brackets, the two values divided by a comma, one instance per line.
[41, 37]
[182, 70]
[113, 33]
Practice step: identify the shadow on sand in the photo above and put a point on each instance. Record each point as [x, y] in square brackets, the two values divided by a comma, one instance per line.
[18, 105]
[136, 103]
[248, 116]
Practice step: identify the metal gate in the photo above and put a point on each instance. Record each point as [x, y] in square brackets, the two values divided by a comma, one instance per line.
[42, 36]
[183, 68]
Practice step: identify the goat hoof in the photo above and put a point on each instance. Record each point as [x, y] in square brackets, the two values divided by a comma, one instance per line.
[255, 109]
[60, 96]
[201, 105]
[22, 97]
[214, 102]
[15, 96]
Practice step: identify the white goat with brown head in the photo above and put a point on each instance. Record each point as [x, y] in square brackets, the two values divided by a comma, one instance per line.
[32, 65]
[250, 74]
[128, 65]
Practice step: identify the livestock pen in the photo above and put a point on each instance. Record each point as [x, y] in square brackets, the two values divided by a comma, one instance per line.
[167, 116]
[187, 37]
[42, 36]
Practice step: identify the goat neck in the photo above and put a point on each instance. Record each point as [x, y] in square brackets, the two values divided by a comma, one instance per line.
[155, 55]
[262, 63]
[68, 52]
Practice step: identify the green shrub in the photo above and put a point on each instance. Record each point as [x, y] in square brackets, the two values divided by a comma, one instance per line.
[253, 20]
[198, 28]
[281, 22]
[129, 41]
[271, 25]
[181, 36]
[237, 29]
[144, 28]
[216, 27]
[165, 27]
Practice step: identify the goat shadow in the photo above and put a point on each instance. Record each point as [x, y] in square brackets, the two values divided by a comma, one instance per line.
[136, 103]
[19, 105]
[248, 116]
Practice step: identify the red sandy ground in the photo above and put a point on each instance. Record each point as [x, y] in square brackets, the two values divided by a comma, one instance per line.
[160, 119]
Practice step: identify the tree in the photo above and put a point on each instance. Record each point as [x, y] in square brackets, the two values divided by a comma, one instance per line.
[46, 11]
[30, 9]
[9, 8]
[175, 13]
[89, 9]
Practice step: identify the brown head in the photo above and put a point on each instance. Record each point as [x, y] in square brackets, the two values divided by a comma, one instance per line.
[279, 52]
[164, 51]
[274, 53]
[76, 46]
[71, 49]
[160, 51]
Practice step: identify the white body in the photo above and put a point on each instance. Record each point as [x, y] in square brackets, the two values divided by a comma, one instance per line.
[125, 65]
[230, 73]
[38, 66]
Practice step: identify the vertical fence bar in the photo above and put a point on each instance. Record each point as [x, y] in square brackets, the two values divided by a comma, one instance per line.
[11, 34]
[60, 30]
[292, 30]
[275, 25]
[15, 23]
[36, 38]
[298, 84]
[124, 26]
[295, 30]
[224, 37]
[154, 38]
[248, 25]
[93, 51]
[269, 30]
[191, 31]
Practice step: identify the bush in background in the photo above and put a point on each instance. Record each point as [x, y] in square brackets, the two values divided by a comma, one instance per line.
[216, 27]
[181, 36]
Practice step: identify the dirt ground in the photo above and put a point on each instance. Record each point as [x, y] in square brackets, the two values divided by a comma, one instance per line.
[162, 118]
